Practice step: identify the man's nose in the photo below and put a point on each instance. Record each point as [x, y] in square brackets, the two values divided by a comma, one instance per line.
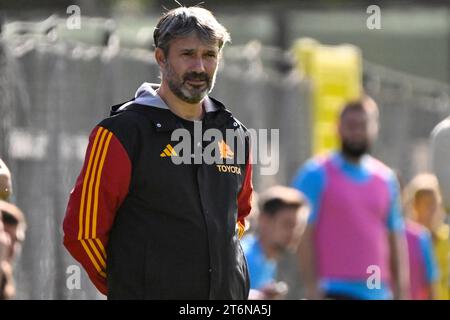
[359, 132]
[198, 65]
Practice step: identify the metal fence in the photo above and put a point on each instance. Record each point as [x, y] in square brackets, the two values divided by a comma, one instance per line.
[410, 107]
[54, 92]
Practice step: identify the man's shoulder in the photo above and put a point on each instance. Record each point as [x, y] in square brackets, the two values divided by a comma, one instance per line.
[377, 163]
[130, 124]
[133, 115]
[318, 162]
[379, 168]
[237, 124]
[312, 174]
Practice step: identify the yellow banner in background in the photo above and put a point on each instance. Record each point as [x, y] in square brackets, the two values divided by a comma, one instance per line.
[335, 73]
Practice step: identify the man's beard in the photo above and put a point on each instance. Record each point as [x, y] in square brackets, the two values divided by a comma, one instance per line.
[186, 92]
[355, 150]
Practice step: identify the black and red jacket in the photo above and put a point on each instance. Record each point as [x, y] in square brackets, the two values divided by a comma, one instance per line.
[146, 228]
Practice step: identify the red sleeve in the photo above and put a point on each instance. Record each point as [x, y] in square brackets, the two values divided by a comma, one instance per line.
[245, 198]
[99, 191]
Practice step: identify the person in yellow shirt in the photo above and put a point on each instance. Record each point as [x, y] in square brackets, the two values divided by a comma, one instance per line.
[429, 212]
[441, 241]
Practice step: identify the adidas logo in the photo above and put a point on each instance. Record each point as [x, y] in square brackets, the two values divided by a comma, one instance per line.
[168, 152]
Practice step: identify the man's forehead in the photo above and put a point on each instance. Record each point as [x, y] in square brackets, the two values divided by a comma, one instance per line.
[193, 41]
[355, 115]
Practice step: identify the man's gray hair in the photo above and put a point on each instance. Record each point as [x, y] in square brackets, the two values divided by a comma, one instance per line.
[183, 21]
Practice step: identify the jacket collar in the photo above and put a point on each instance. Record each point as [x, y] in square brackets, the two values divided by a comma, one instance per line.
[216, 115]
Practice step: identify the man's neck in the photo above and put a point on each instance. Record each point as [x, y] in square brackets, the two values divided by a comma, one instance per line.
[351, 159]
[179, 107]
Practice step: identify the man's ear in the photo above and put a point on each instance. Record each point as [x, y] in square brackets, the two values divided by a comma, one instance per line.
[374, 129]
[160, 57]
